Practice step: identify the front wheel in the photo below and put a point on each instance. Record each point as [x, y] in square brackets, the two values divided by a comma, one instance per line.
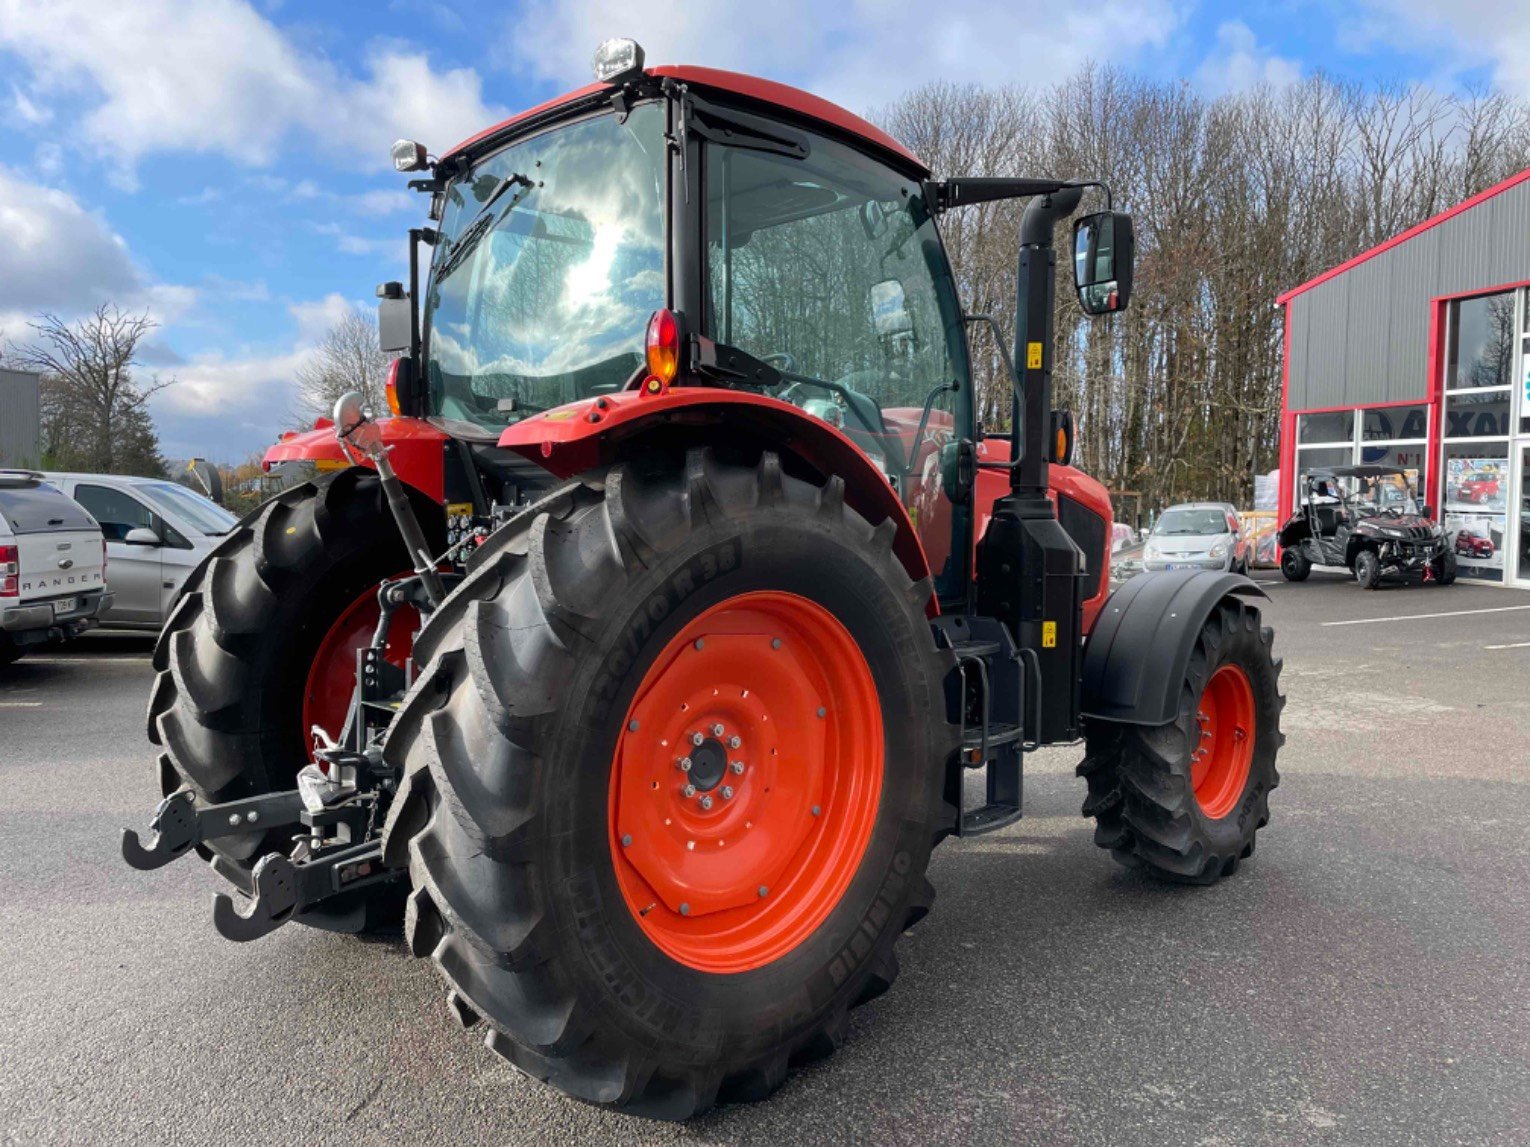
[1445, 568]
[1294, 564]
[1185, 800]
[672, 775]
[1368, 569]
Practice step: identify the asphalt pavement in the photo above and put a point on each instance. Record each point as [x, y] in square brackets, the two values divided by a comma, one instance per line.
[1364, 979]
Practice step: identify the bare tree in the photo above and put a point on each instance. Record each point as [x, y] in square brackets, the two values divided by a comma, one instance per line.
[347, 358]
[95, 413]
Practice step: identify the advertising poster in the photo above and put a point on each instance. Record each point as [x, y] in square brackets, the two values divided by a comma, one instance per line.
[1476, 490]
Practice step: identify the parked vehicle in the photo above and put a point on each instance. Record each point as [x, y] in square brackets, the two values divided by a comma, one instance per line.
[660, 775]
[52, 565]
[1364, 518]
[1198, 536]
[156, 533]
[1473, 545]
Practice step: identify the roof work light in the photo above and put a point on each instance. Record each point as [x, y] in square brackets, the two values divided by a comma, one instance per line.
[617, 61]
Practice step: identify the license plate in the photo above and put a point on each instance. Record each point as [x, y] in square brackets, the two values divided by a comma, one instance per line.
[1183, 566]
[65, 605]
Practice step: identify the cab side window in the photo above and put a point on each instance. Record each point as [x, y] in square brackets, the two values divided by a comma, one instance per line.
[117, 512]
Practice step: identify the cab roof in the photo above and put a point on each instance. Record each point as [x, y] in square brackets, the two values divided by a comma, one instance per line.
[792, 100]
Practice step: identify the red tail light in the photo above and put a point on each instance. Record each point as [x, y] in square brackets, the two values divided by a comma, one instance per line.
[391, 387]
[663, 352]
[10, 572]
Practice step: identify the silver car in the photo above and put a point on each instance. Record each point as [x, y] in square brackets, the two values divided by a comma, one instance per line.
[1199, 536]
[156, 533]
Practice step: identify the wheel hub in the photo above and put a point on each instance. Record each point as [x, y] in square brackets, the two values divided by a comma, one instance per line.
[1223, 755]
[746, 780]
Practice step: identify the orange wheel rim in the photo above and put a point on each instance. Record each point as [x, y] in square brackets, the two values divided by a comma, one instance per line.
[746, 781]
[1219, 764]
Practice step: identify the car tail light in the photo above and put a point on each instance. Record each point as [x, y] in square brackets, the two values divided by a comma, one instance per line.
[663, 352]
[10, 572]
[103, 559]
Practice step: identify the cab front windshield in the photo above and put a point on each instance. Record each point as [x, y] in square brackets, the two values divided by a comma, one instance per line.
[550, 262]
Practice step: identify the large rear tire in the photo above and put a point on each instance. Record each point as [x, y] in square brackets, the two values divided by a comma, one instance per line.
[628, 942]
[234, 682]
[1185, 800]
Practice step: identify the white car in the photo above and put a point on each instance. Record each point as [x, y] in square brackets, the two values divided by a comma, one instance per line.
[52, 565]
[156, 533]
[1197, 535]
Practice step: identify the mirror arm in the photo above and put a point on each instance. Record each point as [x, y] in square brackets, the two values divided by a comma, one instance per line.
[924, 418]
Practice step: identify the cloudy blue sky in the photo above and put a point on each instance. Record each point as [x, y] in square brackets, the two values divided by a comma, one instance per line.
[223, 163]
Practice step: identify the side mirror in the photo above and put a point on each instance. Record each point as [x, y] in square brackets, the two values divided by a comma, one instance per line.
[395, 319]
[1104, 250]
[141, 536]
[889, 309]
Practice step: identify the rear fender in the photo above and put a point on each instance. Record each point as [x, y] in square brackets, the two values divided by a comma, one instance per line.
[1136, 657]
[597, 432]
[417, 452]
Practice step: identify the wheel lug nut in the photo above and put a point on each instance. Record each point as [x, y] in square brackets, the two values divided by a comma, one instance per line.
[683, 764]
[727, 793]
[688, 792]
[717, 730]
[734, 742]
[738, 768]
[706, 802]
[697, 738]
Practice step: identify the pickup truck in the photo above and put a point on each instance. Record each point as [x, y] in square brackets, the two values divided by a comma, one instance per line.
[52, 565]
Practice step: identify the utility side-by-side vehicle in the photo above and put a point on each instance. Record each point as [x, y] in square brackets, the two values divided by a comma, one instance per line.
[1365, 519]
[638, 660]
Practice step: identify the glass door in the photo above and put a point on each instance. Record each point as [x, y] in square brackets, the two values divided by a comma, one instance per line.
[1518, 562]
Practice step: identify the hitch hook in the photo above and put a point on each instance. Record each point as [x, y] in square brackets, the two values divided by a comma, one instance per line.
[175, 830]
[274, 903]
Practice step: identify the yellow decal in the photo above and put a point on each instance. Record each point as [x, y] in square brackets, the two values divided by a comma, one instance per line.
[1032, 356]
[559, 415]
[459, 509]
[330, 464]
[1049, 635]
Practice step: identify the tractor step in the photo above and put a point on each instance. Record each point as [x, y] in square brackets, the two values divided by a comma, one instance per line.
[978, 745]
[976, 821]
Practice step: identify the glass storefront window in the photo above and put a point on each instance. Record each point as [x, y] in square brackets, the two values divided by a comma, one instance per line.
[1476, 498]
[1482, 414]
[1335, 426]
[1391, 423]
[1480, 348]
[1308, 458]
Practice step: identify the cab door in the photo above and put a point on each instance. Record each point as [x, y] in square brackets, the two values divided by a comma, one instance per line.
[133, 568]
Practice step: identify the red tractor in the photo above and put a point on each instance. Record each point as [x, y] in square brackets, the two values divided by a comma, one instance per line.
[638, 661]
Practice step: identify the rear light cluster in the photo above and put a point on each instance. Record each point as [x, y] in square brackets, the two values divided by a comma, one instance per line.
[10, 572]
[663, 352]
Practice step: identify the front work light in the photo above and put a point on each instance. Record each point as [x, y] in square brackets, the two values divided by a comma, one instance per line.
[617, 61]
[408, 156]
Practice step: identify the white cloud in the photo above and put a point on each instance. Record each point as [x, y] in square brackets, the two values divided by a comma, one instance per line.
[1465, 35]
[216, 76]
[860, 53]
[1238, 63]
[59, 256]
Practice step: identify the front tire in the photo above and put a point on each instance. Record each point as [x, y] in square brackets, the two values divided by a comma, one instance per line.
[623, 943]
[1294, 564]
[1185, 800]
[1445, 568]
[1368, 569]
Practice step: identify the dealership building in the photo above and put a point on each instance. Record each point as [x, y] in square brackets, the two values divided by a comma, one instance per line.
[1417, 354]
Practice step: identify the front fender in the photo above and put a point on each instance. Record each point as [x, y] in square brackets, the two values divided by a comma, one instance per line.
[599, 431]
[1137, 655]
[417, 452]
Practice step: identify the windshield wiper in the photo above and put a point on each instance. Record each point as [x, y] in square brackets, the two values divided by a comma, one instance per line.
[483, 223]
